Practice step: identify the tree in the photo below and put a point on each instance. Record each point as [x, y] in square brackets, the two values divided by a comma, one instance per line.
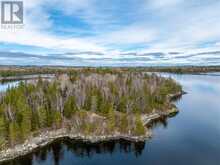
[14, 133]
[24, 120]
[139, 127]
[42, 117]
[122, 107]
[113, 94]
[111, 118]
[3, 132]
[26, 124]
[57, 119]
[124, 123]
[70, 107]
[93, 104]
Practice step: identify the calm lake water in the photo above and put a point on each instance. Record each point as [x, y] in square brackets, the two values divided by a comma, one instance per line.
[4, 86]
[192, 137]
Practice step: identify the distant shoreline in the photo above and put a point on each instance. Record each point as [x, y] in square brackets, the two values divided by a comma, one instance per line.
[9, 72]
[26, 77]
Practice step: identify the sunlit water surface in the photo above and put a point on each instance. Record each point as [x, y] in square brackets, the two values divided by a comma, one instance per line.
[190, 138]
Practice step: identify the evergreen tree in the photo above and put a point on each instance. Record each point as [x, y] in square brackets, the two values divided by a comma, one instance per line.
[70, 107]
[57, 119]
[111, 118]
[47, 104]
[94, 104]
[14, 133]
[124, 123]
[3, 132]
[139, 127]
[42, 117]
[122, 104]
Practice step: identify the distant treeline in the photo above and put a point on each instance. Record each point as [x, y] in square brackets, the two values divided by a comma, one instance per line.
[90, 102]
[185, 69]
[20, 71]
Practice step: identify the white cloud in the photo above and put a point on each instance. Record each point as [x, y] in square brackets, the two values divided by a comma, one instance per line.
[169, 25]
[36, 31]
[133, 34]
[35, 38]
[158, 4]
[187, 26]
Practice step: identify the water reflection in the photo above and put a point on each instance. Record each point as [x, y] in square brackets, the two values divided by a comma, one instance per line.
[162, 121]
[5, 85]
[57, 150]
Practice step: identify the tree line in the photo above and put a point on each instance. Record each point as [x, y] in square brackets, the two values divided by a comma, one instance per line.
[6, 71]
[88, 101]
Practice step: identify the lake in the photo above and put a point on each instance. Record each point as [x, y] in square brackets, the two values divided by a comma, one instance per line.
[4, 86]
[192, 137]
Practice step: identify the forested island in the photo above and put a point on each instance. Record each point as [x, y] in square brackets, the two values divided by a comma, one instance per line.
[88, 104]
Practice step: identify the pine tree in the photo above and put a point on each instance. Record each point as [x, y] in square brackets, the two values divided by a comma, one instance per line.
[124, 123]
[93, 104]
[26, 123]
[57, 119]
[3, 132]
[111, 118]
[42, 117]
[14, 133]
[24, 119]
[122, 104]
[70, 107]
[139, 127]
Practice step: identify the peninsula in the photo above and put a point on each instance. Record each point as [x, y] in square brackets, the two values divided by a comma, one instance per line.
[87, 104]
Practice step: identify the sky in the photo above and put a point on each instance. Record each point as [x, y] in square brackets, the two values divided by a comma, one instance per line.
[114, 33]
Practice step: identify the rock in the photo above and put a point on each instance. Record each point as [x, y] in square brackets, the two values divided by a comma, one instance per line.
[47, 137]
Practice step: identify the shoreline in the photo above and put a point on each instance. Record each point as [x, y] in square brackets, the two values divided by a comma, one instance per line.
[26, 77]
[47, 137]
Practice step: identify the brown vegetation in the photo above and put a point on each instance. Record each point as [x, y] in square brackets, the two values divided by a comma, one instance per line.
[88, 101]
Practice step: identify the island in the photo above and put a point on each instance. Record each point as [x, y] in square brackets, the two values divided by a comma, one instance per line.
[88, 104]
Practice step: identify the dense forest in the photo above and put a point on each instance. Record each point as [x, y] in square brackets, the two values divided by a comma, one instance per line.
[88, 101]
[184, 69]
[6, 71]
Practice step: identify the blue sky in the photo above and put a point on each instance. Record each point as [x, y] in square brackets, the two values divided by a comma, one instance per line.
[115, 33]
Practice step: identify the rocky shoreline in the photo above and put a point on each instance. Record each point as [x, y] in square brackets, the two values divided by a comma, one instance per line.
[48, 137]
[147, 119]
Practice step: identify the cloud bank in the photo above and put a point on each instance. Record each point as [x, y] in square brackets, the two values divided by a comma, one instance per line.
[114, 33]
